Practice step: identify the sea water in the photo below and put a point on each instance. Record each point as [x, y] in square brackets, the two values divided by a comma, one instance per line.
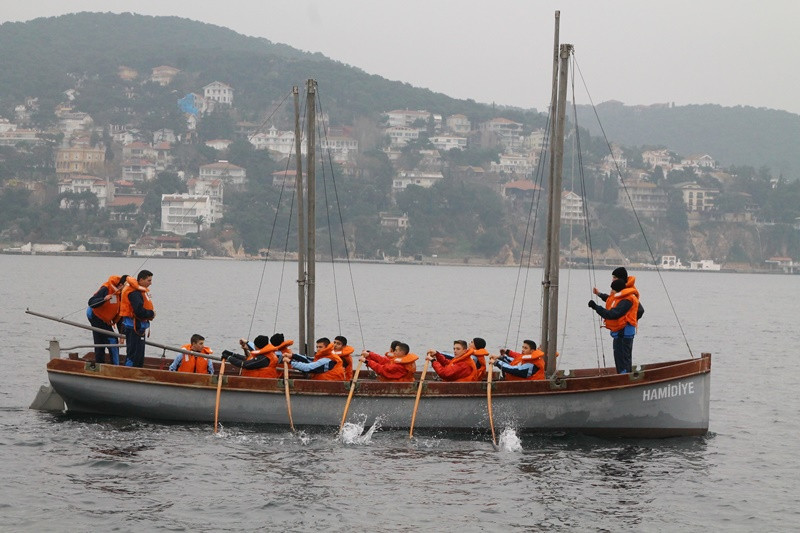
[65, 472]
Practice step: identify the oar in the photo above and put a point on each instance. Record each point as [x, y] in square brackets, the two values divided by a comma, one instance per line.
[489, 402]
[286, 388]
[219, 389]
[416, 402]
[350, 395]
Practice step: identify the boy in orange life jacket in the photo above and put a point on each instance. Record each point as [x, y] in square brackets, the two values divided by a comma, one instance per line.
[461, 367]
[251, 365]
[620, 316]
[345, 352]
[400, 366]
[194, 363]
[103, 313]
[630, 283]
[136, 310]
[525, 365]
[326, 365]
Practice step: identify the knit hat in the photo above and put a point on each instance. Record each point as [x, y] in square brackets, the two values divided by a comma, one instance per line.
[618, 284]
[479, 343]
[261, 341]
[276, 339]
[620, 272]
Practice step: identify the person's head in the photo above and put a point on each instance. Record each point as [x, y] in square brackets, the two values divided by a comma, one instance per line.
[322, 343]
[339, 342]
[197, 341]
[144, 278]
[394, 345]
[528, 346]
[401, 349]
[479, 343]
[122, 279]
[619, 273]
[277, 339]
[459, 347]
[260, 341]
[618, 284]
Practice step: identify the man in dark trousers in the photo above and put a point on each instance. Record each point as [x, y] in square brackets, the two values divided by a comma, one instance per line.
[103, 313]
[136, 310]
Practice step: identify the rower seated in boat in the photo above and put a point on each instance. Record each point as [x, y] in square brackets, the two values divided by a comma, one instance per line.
[528, 364]
[399, 366]
[458, 367]
[185, 362]
[326, 365]
[343, 350]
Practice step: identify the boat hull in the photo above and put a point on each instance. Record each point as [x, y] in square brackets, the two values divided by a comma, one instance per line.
[662, 400]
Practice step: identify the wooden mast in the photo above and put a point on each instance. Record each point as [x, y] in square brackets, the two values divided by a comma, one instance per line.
[553, 108]
[301, 256]
[554, 213]
[312, 241]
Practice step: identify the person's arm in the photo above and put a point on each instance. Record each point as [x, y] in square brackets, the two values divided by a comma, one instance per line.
[259, 361]
[315, 367]
[617, 312]
[388, 369]
[99, 297]
[211, 366]
[176, 363]
[525, 370]
[449, 372]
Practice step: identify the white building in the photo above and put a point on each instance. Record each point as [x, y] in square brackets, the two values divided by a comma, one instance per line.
[212, 188]
[520, 165]
[571, 208]
[218, 92]
[228, 172]
[415, 177]
[400, 135]
[275, 140]
[183, 213]
[448, 142]
[163, 74]
[100, 187]
[406, 117]
[136, 169]
[341, 147]
[393, 220]
[657, 158]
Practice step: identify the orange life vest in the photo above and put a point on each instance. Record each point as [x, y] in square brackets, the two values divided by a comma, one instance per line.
[481, 354]
[126, 309]
[269, 351]
[629, 319]
[536, 357]
[108, 311]
[194, 363]
[334, 374]
[347, 361]
[466, 359]
[409, 362]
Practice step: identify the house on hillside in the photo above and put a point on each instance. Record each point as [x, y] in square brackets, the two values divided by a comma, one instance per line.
[79, 159]
[519, 190]
[231, 174]
[102, 188]
[219, 92]
[571, 208]
[646, 198]
[415, 177]
[186, 213]
[458, 124]
[164, 74]
[696, 197]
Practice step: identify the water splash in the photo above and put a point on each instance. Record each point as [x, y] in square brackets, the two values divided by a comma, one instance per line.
[509, 441]
[352, 432]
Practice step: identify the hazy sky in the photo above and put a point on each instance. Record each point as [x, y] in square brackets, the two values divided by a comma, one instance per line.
[726, 52]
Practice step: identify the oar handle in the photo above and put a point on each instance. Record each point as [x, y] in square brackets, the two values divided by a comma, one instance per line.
[489, 402]
[219, 390]
[416, 402]
[286, 388]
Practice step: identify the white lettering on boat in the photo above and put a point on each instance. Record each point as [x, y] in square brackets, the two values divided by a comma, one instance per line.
[667, 391]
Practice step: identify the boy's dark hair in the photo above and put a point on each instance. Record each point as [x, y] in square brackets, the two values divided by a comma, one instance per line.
[341, 339]
[530, 343]
[143, 274]
[479, 343]
[403, 347]
[324, 340]
[196, 338]
[276, 339]
[463, 343]
[261, 341]
[394, 344]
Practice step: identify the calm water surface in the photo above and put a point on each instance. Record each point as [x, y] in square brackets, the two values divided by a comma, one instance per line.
[72, 473]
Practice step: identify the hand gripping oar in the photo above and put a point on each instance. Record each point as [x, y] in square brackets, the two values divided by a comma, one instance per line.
[350, 395]
[286, 388]
[489, 403]
[219, 389]
[416, 402]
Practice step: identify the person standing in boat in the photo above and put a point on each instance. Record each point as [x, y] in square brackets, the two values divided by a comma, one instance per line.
[528, 364]
[261, 357]
[630, 283]
[326, 365]
[185, 362]
[345, 352]
[103, 313]
[136, 310]
[460, 367]
[399, 366]
[620, 316]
